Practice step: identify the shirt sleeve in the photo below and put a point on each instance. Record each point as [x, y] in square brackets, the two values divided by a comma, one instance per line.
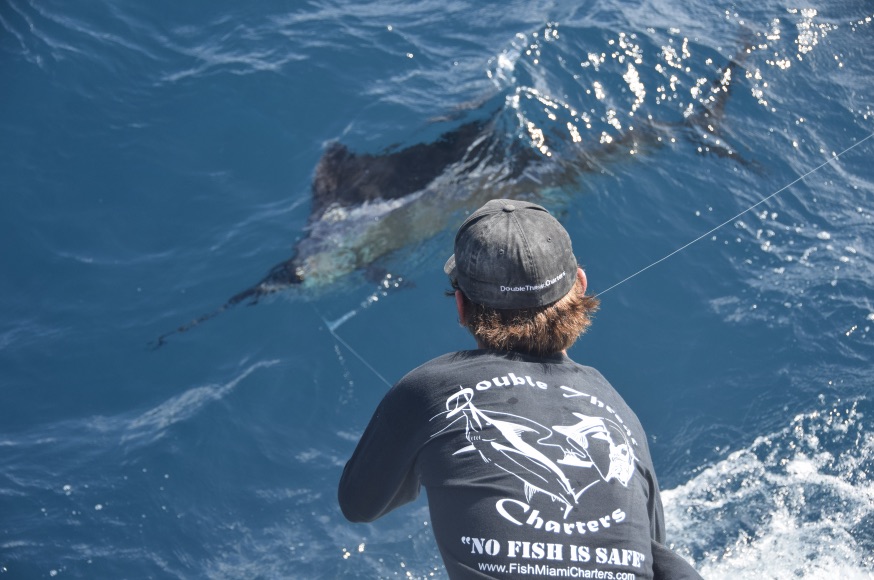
[667, 565]
[654, 506]
[656, 512]
[381, 475]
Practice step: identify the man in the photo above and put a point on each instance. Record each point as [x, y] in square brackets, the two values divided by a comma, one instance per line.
[533, 464]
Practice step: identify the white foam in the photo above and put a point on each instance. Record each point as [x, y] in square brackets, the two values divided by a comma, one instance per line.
[794, 504]
[153, 424]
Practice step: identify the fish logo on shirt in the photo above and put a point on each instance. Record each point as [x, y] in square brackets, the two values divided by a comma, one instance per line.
[562, 461]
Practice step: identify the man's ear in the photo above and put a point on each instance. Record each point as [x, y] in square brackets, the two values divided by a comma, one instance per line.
[459, 305]
[581, 276]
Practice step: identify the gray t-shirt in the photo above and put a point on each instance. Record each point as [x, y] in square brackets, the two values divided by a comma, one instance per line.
[533, 467]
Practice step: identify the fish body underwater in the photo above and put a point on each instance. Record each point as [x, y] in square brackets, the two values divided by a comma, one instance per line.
[368, 206]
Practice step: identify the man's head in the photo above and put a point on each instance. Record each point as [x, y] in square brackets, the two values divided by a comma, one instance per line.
[517, 280]
[512, 254]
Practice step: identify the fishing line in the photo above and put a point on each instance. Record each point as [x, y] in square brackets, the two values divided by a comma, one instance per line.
[728, 221]
[336, 336]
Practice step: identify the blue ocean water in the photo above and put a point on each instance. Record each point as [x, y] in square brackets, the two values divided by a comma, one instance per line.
[156, 159]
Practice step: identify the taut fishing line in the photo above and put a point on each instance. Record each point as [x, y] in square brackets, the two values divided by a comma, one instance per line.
[332, 327]
[728, 221]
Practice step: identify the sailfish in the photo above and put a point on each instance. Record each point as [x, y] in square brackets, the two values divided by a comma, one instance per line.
[367, 206]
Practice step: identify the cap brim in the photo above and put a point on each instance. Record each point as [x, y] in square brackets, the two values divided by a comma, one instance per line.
[450, 269]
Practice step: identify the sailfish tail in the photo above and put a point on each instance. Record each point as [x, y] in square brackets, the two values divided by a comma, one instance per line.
[706, 123]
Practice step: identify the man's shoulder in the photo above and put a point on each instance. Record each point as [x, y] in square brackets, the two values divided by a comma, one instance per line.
[439, 365]
[459, 364]
[451, 367]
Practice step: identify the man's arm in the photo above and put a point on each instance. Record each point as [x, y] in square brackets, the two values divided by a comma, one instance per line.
[381, 474]
[654, 507]
[666, 565]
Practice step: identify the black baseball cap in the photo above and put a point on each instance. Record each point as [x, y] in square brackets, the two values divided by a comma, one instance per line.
[512, 254]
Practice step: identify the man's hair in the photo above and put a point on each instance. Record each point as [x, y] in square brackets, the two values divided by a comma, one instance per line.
[542, 330]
